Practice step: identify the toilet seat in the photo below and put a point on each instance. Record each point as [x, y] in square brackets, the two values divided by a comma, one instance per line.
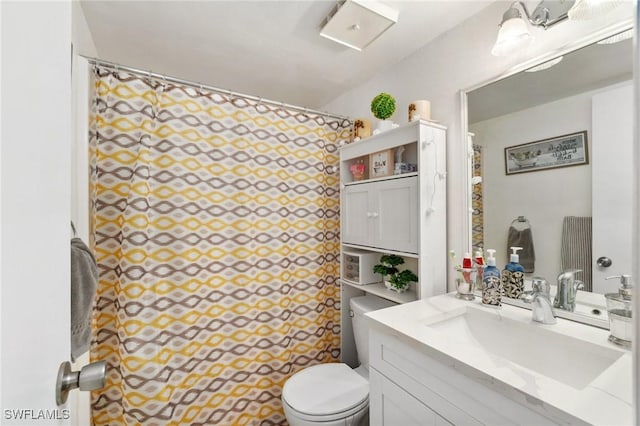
[326, 392]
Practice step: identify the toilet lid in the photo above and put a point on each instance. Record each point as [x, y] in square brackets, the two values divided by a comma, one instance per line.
[325, 389]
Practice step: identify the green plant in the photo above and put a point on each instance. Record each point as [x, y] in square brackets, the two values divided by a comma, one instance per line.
[402, 279]
[388, 266]
[383, 106]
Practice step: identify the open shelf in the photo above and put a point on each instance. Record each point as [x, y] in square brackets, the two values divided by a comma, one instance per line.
[403, 175]
[381, 250]
[380, 290]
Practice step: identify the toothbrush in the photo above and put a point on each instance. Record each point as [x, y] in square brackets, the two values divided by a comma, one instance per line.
[452, 255]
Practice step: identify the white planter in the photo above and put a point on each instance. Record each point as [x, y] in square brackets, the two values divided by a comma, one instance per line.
[392, 288]
[384, 125]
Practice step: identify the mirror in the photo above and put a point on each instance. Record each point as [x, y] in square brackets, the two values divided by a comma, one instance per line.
[552, 154]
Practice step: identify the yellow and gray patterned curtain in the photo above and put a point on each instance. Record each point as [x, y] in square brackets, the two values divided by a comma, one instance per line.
[216, 223]
[477, 203]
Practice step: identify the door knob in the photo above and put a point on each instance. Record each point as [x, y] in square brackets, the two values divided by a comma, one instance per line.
[90, 377]
[604, 262]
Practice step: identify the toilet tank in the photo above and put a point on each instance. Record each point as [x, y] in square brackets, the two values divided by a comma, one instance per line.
[359, 306]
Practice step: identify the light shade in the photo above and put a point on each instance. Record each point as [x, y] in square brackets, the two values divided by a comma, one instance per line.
[545, 65]
[356, 23]
[617, 38]
[588, 9]
[513, 34]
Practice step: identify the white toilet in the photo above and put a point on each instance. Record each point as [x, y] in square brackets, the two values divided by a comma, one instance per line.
[334, 394]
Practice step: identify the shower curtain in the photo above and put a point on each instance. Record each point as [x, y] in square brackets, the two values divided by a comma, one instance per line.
[477, 204]
[215, 222]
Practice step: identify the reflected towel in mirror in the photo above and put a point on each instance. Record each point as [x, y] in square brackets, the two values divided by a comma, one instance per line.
[523, 238]
[575, 251]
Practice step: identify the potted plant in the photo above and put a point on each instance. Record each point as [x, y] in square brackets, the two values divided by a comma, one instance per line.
[393, 278]
[383, 106]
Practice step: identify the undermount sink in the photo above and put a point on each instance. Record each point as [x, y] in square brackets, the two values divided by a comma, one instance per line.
[506, 341]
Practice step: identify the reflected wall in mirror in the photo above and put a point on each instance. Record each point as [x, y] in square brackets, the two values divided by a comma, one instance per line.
[576, 214]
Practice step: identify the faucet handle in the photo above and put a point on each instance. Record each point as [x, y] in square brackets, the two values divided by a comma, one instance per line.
[527, 296]
[540, 285]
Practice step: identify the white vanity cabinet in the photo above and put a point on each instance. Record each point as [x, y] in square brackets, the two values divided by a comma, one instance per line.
[382, 214]
[410, 387]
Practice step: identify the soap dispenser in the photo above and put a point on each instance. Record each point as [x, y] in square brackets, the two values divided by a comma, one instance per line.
[491, 284]
[513, 276]
[619, 307]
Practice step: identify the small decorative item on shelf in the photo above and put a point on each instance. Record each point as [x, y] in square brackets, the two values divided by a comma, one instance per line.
[381, 164]
[358, 170]
[361, 129]
[383, 106]
[394, 279]
[419, 110]
[400, 167]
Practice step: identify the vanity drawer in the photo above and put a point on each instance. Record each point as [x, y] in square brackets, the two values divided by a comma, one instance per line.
[391, 405]
[449, 393]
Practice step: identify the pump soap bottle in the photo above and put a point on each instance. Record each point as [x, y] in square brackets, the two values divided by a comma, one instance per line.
[513, 276]
[491, 284]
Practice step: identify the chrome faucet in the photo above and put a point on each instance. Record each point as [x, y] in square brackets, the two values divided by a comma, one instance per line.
[541, 300]
[568, 286]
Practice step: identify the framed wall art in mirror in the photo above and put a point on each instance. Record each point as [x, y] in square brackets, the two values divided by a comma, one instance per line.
[561, 151]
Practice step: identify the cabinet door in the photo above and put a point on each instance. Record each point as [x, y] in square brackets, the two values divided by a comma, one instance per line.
[391, 405]
[395, 218]
[357, 215]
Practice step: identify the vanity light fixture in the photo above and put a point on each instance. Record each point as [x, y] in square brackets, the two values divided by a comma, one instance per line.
[514, 32]
[588, 9]
[357, 23]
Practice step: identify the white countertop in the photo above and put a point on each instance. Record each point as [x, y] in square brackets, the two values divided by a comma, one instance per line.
[602, 400]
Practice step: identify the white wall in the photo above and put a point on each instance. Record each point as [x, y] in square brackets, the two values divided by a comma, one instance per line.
[538, 196]
[80, 34]
[81, 96]
[459, 60]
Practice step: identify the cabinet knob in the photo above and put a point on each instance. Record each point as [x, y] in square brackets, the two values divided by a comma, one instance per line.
[374, 215]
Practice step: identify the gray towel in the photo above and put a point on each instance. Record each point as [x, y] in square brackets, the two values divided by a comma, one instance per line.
[523, 238]
[575, 249]
[84, 280]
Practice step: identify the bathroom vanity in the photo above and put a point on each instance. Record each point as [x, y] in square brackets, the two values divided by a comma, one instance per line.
[442, 361]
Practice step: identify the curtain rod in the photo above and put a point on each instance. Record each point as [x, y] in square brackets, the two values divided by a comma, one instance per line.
[162, 77]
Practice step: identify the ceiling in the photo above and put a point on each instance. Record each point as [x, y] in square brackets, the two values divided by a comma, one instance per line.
[590, 68]
[270, 49]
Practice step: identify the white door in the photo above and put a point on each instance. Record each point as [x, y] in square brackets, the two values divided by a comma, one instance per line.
[396, 214]
[35, 190]
[356, 215]
[612, 177]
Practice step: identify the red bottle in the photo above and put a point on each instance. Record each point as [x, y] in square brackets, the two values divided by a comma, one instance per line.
[466, 264]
